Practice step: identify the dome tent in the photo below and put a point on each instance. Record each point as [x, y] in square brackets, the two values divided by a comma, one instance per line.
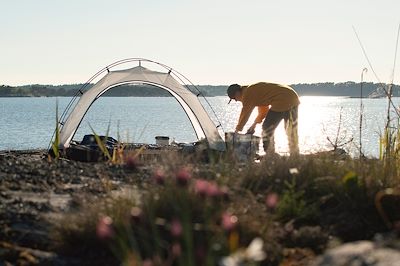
[199, 118]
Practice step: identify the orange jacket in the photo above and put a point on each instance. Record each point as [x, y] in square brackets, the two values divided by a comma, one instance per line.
[266, 96]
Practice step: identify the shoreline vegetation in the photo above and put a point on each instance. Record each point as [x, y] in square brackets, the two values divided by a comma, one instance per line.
[345, 89]
[184, 211]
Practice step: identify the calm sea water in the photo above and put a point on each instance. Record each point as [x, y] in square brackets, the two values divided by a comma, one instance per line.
[28, 123]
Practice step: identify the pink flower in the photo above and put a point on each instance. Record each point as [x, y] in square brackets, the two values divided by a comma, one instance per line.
[183, 176]
[147, 262]
[272, 200]
[176, 228]
[213, 190]
[201, 254]
[104, 229]
[159, 176]
[131, 162]
[229, 221]
[176, 249]
[200, 187]
[209, 189]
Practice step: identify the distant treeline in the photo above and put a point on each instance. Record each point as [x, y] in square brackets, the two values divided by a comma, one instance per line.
[349, 88]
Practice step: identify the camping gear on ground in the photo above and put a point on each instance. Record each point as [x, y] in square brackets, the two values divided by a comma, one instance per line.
[162, 140]
[90, 140]
[88, 149]
[167, 79]
[243, 147]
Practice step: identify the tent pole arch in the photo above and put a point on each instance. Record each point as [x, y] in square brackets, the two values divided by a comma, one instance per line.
[200, 120]
[170, 70]
[188, 111]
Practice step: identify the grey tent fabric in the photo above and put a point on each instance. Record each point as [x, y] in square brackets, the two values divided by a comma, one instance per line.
[202, 124]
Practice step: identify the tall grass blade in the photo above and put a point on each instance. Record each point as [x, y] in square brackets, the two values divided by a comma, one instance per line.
[101, 143]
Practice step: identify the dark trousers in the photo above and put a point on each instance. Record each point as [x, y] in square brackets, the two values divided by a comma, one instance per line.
[271, 122]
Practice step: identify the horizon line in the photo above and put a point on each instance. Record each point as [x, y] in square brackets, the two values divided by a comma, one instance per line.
[215, 85]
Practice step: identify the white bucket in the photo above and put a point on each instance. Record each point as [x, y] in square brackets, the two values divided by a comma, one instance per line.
[162, 140]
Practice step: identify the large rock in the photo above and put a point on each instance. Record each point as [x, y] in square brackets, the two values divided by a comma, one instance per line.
[361, 253]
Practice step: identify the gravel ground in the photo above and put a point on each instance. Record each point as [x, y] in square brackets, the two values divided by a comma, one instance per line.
[34, 191]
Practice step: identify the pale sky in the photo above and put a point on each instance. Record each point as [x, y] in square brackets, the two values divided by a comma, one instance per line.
[210, 42]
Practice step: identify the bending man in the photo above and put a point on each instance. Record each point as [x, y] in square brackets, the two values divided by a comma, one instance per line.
[275, 102]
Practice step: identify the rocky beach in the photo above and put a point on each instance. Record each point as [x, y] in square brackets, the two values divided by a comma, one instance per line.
[34, 193]
[38, 193]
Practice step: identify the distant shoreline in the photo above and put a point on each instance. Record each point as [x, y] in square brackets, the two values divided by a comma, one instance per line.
[344, 89]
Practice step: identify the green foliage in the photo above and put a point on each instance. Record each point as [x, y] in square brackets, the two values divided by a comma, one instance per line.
[389, 150]
[391, 143]
[350, 181]
[293, 205]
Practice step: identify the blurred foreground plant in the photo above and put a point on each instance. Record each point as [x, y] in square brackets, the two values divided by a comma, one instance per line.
[183, 222]
[292, 204]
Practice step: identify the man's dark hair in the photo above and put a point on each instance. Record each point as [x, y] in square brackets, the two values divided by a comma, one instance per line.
[232, 89]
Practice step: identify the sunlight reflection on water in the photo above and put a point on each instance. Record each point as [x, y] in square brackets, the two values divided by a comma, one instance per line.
[319, 119]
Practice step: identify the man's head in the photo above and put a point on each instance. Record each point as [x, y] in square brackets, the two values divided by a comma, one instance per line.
[234, 92]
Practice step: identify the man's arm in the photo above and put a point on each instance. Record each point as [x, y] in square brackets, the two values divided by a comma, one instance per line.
[262, 113]
[244, 116]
